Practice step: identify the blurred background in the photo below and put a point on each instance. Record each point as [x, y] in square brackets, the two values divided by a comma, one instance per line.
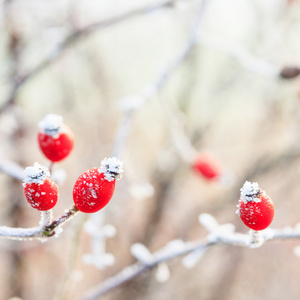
[227, 96]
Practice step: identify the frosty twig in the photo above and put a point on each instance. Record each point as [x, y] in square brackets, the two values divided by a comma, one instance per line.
[219, 235]
[45, 230]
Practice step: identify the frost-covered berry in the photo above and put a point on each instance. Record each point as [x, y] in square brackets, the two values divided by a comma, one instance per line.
[207, 166]
[40, 191]
[255, 207]
[55, 138]
[95, 187]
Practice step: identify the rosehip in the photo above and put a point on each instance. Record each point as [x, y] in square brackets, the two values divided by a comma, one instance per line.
[55, 138]
[39, 190]
[95, 187]
[255, 208]
[207, 166]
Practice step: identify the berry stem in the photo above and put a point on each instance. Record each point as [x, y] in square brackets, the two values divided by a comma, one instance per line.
[46, 218]
[51, 164]
[255, 239]
[50, 229]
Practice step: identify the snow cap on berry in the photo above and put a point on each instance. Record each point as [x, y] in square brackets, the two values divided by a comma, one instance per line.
[250, 192]
[112, 168]
[36, 174]
[51, 125]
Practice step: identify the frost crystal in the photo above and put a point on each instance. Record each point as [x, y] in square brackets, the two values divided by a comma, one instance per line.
[193, 258]
[36, 174]
[250, 192]
[162, 273]
[141, 253]
[51, 125]
[112, 168]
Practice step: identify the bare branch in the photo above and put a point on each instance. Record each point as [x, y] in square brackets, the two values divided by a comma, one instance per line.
[134, 102]
[75, 37]
[11, 168]
[242, 55]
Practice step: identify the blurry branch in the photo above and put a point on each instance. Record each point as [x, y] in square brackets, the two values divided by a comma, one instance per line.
[218, 235]
[263, 165]
[137, 269]
[181, 141]
[248, 60]
[20, 80]
[47, 228]
[132, 103]
[266, 163]
[11, 168]
[72, 257]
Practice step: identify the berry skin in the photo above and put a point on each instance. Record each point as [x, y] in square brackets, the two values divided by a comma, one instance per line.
[39, 190]
[55, 139]
[207, 166]
[95, 187]
[255, 208]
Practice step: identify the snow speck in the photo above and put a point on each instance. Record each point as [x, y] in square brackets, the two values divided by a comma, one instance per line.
[51, 125]
[162, 273]
[112, 168]
[36, 174]
[250, 192]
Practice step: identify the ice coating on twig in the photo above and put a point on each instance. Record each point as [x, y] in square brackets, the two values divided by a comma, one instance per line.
[51, 125]
[112, 168]
[36, 174]
[250, 192]
[141, 253]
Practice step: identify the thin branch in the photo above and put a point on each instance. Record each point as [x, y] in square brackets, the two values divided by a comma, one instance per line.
[47, 229]
[137, 269]
[252, 240]
[75, 37]
[243, 56]
[72, 257]
[134, 102]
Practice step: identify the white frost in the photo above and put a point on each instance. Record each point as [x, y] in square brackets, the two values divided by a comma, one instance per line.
[190, 260]
[141, 253]
[100, 262]
[208, 221]
[36, 174]
[163, 273]
[112, 168]
[250, 192]
[51, 125]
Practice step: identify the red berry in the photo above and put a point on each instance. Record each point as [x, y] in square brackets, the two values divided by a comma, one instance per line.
[40, 191]
[95, 187]
[255, 208]
[207, 166]
[55, 138]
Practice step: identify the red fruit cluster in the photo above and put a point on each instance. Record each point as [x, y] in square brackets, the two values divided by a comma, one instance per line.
[55, 139]
[255, 208]
[95, 187]
[207, 166]
[39, 190]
